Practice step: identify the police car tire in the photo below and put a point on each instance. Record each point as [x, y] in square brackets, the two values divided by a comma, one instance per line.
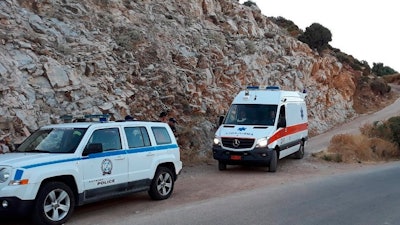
[300, 153]
[273, 163]
[221, 166]
[162, 184]
[48, 195]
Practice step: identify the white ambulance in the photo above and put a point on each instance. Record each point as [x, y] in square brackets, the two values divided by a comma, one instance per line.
[262, 126]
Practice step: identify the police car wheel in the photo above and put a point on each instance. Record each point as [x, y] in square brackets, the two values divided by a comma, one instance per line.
[221, 166]
[273, 163]
[54, 204]
[162, 184]
[300, 153]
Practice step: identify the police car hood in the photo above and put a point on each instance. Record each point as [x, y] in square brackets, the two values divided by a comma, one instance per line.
[21, 159]
[245, 131]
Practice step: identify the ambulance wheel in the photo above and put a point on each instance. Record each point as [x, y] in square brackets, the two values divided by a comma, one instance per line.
[300, 153]
[273, 164]
[221, 166]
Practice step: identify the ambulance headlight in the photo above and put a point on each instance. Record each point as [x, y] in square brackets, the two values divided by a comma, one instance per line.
[262, 142]
[217, 141]
[4, 174]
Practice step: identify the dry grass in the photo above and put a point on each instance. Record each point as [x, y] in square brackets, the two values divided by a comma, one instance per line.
[359, 148]
[395, 78]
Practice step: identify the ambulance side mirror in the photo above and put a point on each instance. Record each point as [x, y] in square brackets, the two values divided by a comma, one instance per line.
[221, 119]
[282, 122]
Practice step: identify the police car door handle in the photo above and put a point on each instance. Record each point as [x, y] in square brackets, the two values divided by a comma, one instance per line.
[150, 154]
[120, 158]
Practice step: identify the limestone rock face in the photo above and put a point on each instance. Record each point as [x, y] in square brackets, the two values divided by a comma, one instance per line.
[188, 57]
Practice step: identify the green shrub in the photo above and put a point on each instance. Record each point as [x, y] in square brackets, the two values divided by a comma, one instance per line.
[388, 130]
[316, 36]
[380, 86]
[394, 125]
[380, 70]
[249, 3]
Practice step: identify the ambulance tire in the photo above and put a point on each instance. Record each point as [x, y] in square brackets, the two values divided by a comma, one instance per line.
[221, 166]
[273, 164]
[300, 153]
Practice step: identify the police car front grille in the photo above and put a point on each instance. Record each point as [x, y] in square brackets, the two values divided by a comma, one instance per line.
[237, 142]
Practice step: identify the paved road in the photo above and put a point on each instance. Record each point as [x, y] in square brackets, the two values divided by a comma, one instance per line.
[366, 197]
[317, 143]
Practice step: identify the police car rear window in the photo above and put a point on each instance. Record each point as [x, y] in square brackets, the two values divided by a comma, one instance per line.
[137, 137]
[161, 135]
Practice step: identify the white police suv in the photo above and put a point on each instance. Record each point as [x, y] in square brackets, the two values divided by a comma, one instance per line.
[62, 166]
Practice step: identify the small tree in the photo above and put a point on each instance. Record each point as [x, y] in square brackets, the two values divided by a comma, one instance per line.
[380, 70]
[249, 3]
[316, 36]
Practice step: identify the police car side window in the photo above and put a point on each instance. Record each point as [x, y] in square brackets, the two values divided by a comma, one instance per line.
[108, 138]
[137, 137]
[161, 135]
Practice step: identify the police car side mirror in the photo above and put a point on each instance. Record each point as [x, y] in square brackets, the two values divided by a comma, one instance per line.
[221, 119]
[93, 148]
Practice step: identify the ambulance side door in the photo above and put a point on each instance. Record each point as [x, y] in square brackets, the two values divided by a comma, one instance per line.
[282, 125]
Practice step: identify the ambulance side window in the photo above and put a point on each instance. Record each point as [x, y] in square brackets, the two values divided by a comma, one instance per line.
[282, 116]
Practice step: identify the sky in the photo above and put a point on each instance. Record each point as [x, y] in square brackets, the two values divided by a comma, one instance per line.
[368, 30]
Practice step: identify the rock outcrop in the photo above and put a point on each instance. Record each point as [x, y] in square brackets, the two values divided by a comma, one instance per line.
[190, 58]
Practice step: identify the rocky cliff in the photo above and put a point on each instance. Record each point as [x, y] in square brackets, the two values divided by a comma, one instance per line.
[122, 57]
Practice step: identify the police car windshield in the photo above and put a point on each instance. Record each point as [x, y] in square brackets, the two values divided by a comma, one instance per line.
[53, 141]
[251, 114]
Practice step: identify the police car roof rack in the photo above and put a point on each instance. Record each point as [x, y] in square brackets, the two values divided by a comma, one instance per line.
[86, 118]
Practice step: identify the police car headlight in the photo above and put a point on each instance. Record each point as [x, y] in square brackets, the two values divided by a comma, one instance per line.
[217, 141]
[4, 175]
[261, 143]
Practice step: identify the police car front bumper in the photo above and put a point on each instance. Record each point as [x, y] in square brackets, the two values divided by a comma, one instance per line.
[12, 206]
[257, 156]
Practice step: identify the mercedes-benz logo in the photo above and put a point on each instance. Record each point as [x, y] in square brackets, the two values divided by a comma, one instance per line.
[236, 143]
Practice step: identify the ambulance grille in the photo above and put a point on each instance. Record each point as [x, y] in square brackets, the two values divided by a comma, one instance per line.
[237, 142]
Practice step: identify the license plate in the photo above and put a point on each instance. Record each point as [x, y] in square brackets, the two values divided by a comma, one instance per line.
[236, 157]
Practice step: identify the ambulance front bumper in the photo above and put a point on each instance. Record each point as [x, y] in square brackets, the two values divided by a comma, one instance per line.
[257, 156]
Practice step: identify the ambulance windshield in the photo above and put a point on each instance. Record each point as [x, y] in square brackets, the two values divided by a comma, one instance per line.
[251, 114]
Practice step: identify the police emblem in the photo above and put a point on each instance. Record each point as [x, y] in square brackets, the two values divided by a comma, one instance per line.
[106, 166]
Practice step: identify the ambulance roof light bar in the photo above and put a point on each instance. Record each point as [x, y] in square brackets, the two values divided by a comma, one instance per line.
[263, 88]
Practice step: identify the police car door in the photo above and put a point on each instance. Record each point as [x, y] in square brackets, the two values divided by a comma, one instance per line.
[141, 153]
[105, 172]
